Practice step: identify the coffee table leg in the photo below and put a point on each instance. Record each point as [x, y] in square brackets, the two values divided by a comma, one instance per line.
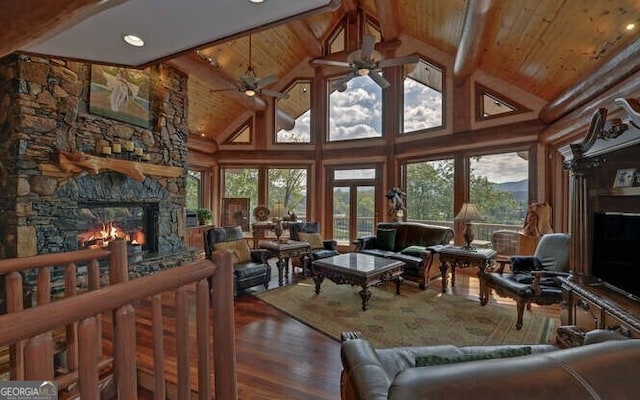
[286, 268]
[443, 272]
[365, 294]
[318, 280]
[398, 281]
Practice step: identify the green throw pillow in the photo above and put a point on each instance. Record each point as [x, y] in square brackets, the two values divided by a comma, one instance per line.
[386, 239]
[429, 360]
[414, 251]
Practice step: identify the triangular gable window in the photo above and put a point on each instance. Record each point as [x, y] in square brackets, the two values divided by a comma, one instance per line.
[491, 104]
[242, 135]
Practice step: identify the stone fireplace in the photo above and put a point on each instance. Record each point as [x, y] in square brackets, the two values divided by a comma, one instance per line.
[47, 208]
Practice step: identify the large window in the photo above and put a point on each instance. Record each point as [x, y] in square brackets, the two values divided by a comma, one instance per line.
[430, 192]
[423, 100]
[500, 190]
[288, 186]
[356, 112]
[194, 190]
[241, 182]
[293, 119]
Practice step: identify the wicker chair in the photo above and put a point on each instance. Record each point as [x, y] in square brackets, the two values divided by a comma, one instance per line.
[506, 243]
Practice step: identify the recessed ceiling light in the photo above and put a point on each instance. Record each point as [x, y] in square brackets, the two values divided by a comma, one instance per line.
[256, 1]
[631, 26]
[133, 40]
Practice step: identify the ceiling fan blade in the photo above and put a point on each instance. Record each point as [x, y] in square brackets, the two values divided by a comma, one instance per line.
[377, 78]
[368, 43]
[267, 80]
[341, 85]
[331, 62]
[392, 62]
[275, 94]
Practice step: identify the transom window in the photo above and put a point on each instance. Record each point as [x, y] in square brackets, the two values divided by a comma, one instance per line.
[294, 110]
[423, 99]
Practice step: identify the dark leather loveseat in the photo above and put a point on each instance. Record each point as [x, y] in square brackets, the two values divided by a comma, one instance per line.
[407, 242]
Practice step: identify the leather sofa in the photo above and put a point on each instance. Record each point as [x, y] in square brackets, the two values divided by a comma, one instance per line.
[409, 245]
[604, 368]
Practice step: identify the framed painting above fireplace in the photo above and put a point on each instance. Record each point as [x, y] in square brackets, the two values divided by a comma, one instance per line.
[235, 211]
[120, 93]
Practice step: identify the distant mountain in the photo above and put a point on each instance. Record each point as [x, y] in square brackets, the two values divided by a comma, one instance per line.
[518, 188]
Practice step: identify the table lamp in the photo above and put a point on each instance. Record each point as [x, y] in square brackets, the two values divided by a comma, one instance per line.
[278, 213]
[468, 213]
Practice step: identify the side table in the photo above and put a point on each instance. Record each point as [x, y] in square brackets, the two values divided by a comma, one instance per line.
[459, 257]
[283, 250]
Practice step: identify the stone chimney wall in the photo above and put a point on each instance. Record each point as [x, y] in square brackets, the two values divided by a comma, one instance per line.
[44, 110]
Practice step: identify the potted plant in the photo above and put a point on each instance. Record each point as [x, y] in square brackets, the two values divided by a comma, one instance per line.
[204, 216]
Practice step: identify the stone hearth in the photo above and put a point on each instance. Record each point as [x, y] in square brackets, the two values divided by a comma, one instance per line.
[44, 111]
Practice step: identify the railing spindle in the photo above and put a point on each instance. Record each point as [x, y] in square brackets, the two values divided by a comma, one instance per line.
[157, 324]
[202, 339]
[125, 360]
[224, 338]
[182, 343]
[70, 290]
[15, 304]
[89, 356]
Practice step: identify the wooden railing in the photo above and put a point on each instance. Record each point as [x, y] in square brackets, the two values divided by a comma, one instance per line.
[29, 332]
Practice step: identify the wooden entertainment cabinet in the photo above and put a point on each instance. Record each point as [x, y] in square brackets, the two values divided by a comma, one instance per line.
[609, 146]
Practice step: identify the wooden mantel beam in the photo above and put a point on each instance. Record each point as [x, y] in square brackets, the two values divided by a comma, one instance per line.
[618, 68]
[24, 21]
[472, 39]
[388, 19]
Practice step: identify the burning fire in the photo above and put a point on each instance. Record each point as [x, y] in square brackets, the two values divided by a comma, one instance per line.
[101, 236]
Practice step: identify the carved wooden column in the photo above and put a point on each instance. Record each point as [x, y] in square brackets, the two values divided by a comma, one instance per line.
[580, 215]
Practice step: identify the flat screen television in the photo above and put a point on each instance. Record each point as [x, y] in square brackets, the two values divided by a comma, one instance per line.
[616, 251]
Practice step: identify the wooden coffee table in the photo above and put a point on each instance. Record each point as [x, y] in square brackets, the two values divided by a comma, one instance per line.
[358, 269]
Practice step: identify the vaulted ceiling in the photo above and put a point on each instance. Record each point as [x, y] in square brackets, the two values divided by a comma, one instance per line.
[546, 48]
[543, 47]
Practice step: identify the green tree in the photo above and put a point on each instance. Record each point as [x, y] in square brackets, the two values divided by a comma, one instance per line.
[430, 190]
[242, 182]
[288, 185]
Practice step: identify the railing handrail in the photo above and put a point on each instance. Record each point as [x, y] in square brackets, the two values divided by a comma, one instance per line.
[47, 317]
[48, 260]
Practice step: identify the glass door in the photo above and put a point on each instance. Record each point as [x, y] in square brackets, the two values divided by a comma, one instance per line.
[353, 206]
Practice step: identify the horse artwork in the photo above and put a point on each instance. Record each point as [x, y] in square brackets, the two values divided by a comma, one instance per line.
[395, 200]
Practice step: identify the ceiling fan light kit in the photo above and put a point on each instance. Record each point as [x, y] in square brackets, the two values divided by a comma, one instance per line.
[251, 85]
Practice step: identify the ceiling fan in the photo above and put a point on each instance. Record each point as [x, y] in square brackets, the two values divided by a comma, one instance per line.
[366, 61]
[251, 85]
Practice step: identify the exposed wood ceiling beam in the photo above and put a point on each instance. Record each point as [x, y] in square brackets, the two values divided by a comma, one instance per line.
[471, 41]
[311, 43]
[388, 19]
[349, 5]
[24, 21]
[618, 68]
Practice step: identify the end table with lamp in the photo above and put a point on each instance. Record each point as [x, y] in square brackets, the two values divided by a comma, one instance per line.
[468, 212]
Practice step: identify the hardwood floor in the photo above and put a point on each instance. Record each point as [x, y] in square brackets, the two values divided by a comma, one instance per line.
[279, 357]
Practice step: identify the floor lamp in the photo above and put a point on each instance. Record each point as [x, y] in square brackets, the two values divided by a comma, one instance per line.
[468, 213]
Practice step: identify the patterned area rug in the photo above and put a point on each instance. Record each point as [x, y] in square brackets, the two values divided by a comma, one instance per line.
[414, 317]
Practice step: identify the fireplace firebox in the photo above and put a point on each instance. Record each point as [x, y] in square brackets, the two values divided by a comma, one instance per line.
[135, 222]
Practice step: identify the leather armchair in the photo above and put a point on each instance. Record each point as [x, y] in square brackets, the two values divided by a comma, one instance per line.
[328, 248]
[534, 279]
[247, 274]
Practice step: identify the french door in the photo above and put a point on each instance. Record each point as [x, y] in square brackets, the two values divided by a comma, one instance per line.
[353, 203]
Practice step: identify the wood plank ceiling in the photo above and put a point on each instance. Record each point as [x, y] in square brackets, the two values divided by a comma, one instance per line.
[543, 47]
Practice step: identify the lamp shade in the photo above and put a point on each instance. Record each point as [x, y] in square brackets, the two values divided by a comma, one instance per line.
[278, 210]
[468, 212]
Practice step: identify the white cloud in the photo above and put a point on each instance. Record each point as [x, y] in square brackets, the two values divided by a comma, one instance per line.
[499, 168]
